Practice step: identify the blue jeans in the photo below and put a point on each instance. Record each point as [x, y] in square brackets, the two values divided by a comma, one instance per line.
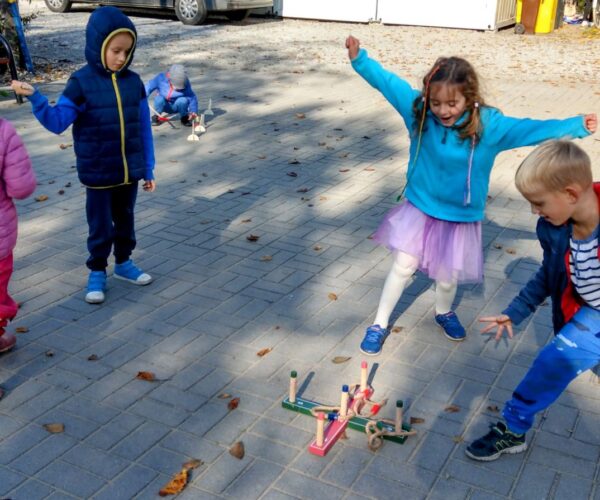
[575, 349]
[179, 105]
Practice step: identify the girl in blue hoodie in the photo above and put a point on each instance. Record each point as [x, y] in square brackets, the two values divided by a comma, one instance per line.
[455, 138]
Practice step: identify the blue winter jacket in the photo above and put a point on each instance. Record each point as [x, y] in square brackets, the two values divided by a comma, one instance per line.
[162, 84]
[439, 181]
[111, 121]
[553, 278]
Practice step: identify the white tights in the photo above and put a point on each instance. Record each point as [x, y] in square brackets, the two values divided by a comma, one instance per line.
[403, 268]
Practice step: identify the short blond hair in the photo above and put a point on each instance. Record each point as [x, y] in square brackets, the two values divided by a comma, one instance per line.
[553, 166]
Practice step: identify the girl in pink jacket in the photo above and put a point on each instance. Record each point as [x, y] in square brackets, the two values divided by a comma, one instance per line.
[17, 180]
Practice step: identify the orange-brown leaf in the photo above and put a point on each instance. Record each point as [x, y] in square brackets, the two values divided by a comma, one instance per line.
[237, 450]
[176, 484]
[252, 237]
[332, 296]
[224, 395]
[493, 408]
[416, 420]
[148, 376]
[194, 463]
[452, 409]
[341, 359]
[458, 439]
[21, 329]
[55, 428]
[264, 351]
[266, 258]
[397, 329]
[65, 146]
[41, 197]
[233, 404]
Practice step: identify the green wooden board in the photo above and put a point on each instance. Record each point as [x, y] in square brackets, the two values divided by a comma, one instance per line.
[357, 423]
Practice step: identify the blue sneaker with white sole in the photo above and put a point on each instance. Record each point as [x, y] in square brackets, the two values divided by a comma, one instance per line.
[449, 322]
[373, 342]
[128, 271]
[96, 287]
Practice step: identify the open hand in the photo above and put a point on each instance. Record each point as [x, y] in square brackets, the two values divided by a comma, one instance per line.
[500, 323]
[591, 122]
[149, 186]
[22, 88]
[353, 46]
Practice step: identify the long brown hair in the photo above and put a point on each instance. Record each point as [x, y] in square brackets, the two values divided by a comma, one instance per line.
[459, 72]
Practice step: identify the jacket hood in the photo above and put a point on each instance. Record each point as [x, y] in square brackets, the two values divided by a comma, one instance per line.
[103, 24]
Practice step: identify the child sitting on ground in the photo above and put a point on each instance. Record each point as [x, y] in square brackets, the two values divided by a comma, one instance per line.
[557, 180]
[106, 103]
[174, 95]
[17, 180]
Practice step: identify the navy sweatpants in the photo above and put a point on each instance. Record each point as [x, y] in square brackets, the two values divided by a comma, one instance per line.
[575, 349]
[110, 217]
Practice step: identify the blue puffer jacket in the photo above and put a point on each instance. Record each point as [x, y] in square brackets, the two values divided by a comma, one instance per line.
[108, 110]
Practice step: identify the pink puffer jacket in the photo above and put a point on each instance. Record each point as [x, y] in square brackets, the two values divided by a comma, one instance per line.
[17, 180]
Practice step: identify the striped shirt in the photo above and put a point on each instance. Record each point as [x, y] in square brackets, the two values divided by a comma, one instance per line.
[585, 269]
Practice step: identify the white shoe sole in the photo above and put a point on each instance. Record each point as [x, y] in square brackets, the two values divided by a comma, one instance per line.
[143, 279]
[511, 451]
[94, 297]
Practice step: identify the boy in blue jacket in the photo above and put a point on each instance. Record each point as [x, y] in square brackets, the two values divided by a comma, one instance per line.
[106, 103]
[557, 180]
[174, 95]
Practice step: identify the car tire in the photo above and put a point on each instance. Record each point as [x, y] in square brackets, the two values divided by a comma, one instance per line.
[237, 15]
[58, 5]
[190, 11]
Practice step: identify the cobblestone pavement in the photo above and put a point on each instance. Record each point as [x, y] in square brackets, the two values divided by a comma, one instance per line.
[304, 155]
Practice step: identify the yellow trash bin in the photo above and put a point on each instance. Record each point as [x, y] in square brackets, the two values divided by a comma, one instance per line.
[546, 16]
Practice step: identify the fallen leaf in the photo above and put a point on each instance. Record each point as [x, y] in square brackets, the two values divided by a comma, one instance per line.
[55, 428]
[416, 420]
[344, 170]
[341, 359]
[233, 404]
[261, 157]
[194, 463]
[497, 246]
[511, 251]
[322, 198]
[21, 329]
[173, 161]
[68, 185]
[332, 296]
[277, 327]
[252, 237]
[452, 409]
[245, 221]
[148, 376]
[41, 197]
[493, 408]
[176, 485]
[61, 191]
[302, 190]
[397, 329]
[49, 354]
[300, 116]
[366, 137]
[292, 174]
[370, 169]
[264, 351]
[294, 162]
[237, 450]
[316, 248]
[458, 439]
[51, 181]
[93, 357]
[65, 146]
[224, 395]
[266, 258]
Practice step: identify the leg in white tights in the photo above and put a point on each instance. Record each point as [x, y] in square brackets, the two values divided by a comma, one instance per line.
[403, 268]
[444, 296]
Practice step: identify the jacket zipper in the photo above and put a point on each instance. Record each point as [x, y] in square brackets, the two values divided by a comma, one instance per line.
[122, 127]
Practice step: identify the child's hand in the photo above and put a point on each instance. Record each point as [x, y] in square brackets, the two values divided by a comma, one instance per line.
[149, 186]
[591, 122]
[500, 323]
[22, 88]
[353, 46]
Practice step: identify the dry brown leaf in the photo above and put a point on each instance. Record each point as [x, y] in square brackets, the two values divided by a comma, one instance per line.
[245, 221]
[264, 351]
[93, 357]
[55, 428]
[292, 174]
[65, 146]
[176, 485]
[49, 354]
[41, 197]
[266, 258]
[397, 329]
[452, 409]
[332, 296]
[302, 190]
[493, 408]
[233, 404]
[341, 359]
[261, 157]
[237, 450]
[344, 170]
[511, 251]
[61, 191]
[252, 237]
[21, 329]
[497, 246]
[458, 439]
[316, 248]
[300, 116]
[370, 169]
[224, 395]
[416, 420]
[148, 376]
[194, 463]
[277, 327]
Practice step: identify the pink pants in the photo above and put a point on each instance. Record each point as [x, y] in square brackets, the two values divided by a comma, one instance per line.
[8, 307]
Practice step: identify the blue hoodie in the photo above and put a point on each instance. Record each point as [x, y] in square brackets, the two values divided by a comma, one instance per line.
[111, 121]
[440, 182]
[162, 84]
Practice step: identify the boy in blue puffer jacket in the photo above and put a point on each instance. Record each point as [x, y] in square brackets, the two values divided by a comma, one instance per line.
[106, 103]
[174, 95]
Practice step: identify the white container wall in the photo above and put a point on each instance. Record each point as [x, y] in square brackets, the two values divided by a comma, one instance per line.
[359, 11]
[468, 14]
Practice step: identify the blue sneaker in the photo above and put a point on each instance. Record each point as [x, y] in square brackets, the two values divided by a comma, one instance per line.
[96, 287]
[128, 271]
[453, 330]
[373, 341]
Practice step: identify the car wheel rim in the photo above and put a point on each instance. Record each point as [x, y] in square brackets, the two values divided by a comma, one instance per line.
[57, 4]
[187, 8]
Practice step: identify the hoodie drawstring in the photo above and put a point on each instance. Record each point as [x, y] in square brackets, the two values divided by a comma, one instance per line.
[467, 193]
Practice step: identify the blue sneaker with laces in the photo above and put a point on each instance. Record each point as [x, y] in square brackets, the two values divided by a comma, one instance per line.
[449, 322]
[96, 287]
[373, 341]
[128, 271]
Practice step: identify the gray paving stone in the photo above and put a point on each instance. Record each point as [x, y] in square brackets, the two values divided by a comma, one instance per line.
[71, 479]
[128, 484]
[33, 490]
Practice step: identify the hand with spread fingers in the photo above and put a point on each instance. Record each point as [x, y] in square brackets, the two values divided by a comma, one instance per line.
[500, 323]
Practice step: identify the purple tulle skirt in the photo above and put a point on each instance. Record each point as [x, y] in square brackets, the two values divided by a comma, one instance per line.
[447, 251]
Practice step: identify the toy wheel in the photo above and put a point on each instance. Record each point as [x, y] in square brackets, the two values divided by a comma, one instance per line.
[190, 11]
[519, 29]
[237, 15]
[58, 5]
